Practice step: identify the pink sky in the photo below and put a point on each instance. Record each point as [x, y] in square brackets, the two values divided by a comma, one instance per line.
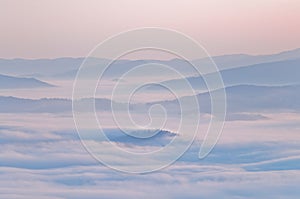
[52, 28]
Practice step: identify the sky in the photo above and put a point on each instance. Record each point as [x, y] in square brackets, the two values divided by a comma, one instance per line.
[71, 28]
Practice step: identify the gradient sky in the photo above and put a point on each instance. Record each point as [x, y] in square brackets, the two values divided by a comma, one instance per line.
[53, 28]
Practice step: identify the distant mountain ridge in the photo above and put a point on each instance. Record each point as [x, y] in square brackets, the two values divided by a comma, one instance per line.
[241, 98]
[67, 67]
[9, 104]
[239, 60]
[273, 73]
[10, 82]
[245, 98]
